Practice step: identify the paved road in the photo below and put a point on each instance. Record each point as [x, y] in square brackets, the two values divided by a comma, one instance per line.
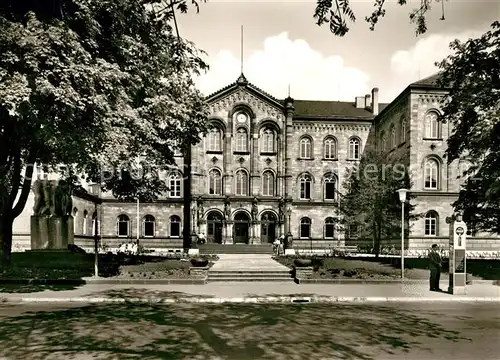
[251, 331]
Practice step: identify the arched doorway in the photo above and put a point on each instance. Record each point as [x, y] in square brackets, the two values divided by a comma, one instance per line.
[268, 228]
[241, 228]
[214, 227]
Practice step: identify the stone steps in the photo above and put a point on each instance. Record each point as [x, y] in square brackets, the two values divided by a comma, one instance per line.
[248, 275]
[235, 249]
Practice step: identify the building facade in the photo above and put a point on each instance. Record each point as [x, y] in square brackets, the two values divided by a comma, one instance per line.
[269, 166]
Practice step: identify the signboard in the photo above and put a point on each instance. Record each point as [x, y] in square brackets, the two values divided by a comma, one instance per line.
[459, 261]
[459, 236]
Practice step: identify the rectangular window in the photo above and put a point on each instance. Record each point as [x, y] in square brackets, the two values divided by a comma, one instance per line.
[149, 228]
[430, 227]
[305, 230]
[123, 228]
[330, 190]
[175, 187]
[175, 229]
[329, 231]
[305, 190]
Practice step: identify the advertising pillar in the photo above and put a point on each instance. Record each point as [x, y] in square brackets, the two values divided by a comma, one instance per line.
[458, 244]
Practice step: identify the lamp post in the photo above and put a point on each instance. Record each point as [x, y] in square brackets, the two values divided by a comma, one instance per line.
[402, 197]
[289, 213]
[138, 222]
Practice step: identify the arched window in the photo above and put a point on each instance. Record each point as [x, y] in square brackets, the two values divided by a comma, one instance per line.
[268, 141]
[305, 228]
[354, 149]
[241, 183]
[305, 187]
[214, 139]
[95, 221]
[123, 225]
[175, 226]
[85, 222]
[268, 183]
[215, 182]
[403, 130]
[330, 148]
[431, 223]
[305, 148]
[175, 185]
[432, 125]
[384, 143]
[148, 226]
[329, 228]
[330, 187]
[393, 137]
[431, 174]
[241, 140]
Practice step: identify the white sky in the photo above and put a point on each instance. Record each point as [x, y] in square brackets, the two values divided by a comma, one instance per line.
[283, 46]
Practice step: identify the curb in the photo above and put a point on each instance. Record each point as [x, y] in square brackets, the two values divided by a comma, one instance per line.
[104, 281]
[380, 282]
[203, 281]
[255, 300]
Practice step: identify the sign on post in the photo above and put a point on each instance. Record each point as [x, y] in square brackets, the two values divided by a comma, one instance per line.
[458, 263]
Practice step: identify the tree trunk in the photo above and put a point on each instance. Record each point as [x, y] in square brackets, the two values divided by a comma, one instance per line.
[6, 227]
[376, 239]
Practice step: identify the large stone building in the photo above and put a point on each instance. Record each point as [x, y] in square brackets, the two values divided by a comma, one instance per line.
[269, 166]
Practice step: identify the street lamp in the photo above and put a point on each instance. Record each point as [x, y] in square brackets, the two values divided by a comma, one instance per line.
[402, 198]
[289, 213]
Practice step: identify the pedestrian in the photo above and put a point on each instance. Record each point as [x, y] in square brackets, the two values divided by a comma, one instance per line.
[435, 266]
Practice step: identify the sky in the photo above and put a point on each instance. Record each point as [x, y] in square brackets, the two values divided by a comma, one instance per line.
[283, 47]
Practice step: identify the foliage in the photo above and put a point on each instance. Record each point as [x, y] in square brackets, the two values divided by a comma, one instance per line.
[337, 13]
[101, 84]
[472, 75]
[371, 203]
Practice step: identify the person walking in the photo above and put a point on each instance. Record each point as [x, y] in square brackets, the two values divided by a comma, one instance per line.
[435, 266]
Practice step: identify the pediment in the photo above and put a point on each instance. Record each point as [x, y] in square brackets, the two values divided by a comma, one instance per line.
[247, 94]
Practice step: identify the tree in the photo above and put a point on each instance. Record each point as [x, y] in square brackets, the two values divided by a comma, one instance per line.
[371, 203]
[338, 13]
[472, 107]
[93, 85]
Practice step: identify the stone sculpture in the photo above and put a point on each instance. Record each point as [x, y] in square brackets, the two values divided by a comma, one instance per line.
[255, 209]
[227, 208]
[52, 198]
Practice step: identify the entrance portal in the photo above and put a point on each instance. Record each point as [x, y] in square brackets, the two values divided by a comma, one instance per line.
[268, 228]
[214, 227]
[241, 227]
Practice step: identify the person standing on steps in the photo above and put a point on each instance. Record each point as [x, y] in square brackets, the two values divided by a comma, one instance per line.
[435, 266]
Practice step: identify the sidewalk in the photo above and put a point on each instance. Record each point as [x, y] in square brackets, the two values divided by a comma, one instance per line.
[257, 292]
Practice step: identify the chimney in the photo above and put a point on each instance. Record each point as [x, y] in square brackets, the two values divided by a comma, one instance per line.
[375, 101]
[360, 102]
[368, 101]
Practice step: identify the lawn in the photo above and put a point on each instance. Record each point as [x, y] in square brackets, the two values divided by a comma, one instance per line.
[387, 268]
[75, 266]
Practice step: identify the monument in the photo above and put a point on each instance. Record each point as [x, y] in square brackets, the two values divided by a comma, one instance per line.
[51, 223]
[458, 242]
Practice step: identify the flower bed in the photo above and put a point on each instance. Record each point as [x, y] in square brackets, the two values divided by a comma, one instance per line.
[174, 267]
[338, 268]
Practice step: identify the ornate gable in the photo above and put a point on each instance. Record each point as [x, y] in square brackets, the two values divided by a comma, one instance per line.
[243, 93]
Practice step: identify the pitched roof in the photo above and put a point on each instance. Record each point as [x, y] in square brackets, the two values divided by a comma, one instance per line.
[430, 81]
[332, 109]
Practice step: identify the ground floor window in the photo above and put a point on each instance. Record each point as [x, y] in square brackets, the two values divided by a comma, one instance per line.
[175, 226]
[305, 228]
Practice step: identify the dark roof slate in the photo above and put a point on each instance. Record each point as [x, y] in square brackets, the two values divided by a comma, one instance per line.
[337, 109]
[430, 81]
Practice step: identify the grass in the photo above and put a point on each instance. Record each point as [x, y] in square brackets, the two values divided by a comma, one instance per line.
[75, 266]
[388, 268]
